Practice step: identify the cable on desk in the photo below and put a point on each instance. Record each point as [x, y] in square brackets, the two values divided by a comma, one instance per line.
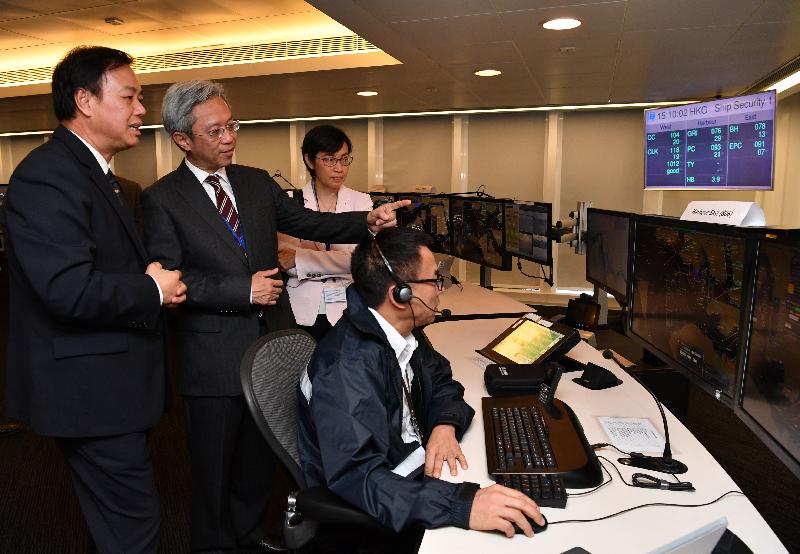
[600, 445]
[615, 469]
[600, 486]
[651, 504]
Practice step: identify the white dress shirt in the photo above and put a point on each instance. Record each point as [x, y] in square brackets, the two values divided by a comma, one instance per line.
[404, 348]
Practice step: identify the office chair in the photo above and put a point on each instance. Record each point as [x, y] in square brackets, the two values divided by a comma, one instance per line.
[270, 373]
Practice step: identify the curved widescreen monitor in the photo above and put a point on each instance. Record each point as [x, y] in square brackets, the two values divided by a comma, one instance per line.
[687, 301]
[724, 144]
[607, 245]
[528, 231]
[478, 231]
[768, 398]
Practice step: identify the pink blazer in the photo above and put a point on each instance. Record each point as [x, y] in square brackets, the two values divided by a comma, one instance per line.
[314, 264]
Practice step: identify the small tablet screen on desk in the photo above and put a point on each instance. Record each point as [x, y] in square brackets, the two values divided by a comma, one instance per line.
[528, 342]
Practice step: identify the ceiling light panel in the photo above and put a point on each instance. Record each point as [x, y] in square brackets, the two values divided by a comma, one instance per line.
[561, 24]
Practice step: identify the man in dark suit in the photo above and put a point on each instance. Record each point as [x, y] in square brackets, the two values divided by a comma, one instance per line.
[86, 361]
[131, 193]
[218, 224]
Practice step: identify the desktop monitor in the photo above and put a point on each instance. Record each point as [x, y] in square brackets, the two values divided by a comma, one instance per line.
[381, 198]
[478, 231]
[768, 399]
[607, 247]
[723, 144]
[687, 301]
[429, 214]
[528, 231]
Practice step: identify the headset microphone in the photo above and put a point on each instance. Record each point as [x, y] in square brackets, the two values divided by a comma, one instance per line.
[442, 313]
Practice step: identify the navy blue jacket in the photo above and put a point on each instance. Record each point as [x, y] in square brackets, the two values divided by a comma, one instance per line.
[349, 434]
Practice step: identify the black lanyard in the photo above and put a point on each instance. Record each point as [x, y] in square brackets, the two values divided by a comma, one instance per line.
[319, 207]
[414, 421]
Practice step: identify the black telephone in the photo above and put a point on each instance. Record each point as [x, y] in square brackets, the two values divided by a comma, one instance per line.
[547, 390]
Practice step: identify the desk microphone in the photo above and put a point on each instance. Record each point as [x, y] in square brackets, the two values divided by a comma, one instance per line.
[664, 463]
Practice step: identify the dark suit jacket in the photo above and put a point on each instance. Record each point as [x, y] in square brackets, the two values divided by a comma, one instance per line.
[131, 193]
[85, 347]
[183, 230]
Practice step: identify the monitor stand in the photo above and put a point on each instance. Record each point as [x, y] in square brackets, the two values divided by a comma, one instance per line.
[486, 277]
[601, 298]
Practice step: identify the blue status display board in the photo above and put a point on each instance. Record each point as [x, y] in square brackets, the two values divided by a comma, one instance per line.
[718, 145]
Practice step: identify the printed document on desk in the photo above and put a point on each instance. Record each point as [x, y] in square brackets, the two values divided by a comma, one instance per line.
[632, 434]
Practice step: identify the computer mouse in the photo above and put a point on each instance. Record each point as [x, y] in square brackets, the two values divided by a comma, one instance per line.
[536, 527]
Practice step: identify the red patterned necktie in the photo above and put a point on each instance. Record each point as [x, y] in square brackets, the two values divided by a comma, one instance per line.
[227, 210]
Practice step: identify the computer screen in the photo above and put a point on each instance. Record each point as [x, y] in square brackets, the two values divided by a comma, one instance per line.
[381, 198]
[769, 394]
[722, 144]
[430, 214]
[529, 342]
[528, 231]
[687, 302]
[478, 231]
[607, 241]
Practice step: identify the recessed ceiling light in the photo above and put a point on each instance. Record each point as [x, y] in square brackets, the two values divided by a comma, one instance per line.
[367, 93]
[114, 20]
[561, 24]
[488, 72]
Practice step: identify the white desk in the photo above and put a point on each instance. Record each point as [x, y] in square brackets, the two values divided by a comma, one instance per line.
[638, 531]
[474, 299]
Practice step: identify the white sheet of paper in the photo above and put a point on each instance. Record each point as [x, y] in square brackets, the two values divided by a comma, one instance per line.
[412, 462]
[632, 434]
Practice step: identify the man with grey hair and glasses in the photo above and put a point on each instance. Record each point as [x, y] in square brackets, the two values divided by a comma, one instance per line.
[218, 222]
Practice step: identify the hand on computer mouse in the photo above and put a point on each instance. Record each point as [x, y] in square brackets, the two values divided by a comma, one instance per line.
[498, 508]
[535, 526]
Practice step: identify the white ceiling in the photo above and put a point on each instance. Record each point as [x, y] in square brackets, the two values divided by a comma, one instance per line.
[625, 51]
[37, 33]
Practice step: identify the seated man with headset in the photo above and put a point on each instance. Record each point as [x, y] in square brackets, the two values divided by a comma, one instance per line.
[378, 404]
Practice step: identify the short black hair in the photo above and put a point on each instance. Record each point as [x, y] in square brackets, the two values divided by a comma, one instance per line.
[82, 67]
[324, 138]
[400, 246]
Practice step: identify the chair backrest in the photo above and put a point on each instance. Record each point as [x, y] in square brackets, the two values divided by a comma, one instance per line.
[270, 372]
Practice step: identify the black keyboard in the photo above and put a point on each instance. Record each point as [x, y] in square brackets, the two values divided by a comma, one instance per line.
[523, 436]
[546, 490]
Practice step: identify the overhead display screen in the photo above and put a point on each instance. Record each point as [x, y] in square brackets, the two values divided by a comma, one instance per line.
[718, 145]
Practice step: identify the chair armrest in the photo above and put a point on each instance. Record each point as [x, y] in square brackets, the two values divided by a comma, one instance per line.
[320, 504]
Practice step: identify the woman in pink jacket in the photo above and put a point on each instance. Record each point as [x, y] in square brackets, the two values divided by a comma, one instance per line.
[320, 272]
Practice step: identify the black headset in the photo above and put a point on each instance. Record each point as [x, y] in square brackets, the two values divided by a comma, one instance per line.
[402, 293]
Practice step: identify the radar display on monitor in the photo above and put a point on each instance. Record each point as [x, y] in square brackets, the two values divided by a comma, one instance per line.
[687, 301]
[769, 396]
[430, 214]
[478, 231]
[528, 231]
[607, 241]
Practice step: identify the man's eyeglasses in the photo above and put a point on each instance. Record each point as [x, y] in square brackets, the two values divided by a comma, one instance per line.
[216, 133]
[330, 161]
[438, 280]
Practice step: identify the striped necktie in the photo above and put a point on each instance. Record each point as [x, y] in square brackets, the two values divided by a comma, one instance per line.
[227, 211]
